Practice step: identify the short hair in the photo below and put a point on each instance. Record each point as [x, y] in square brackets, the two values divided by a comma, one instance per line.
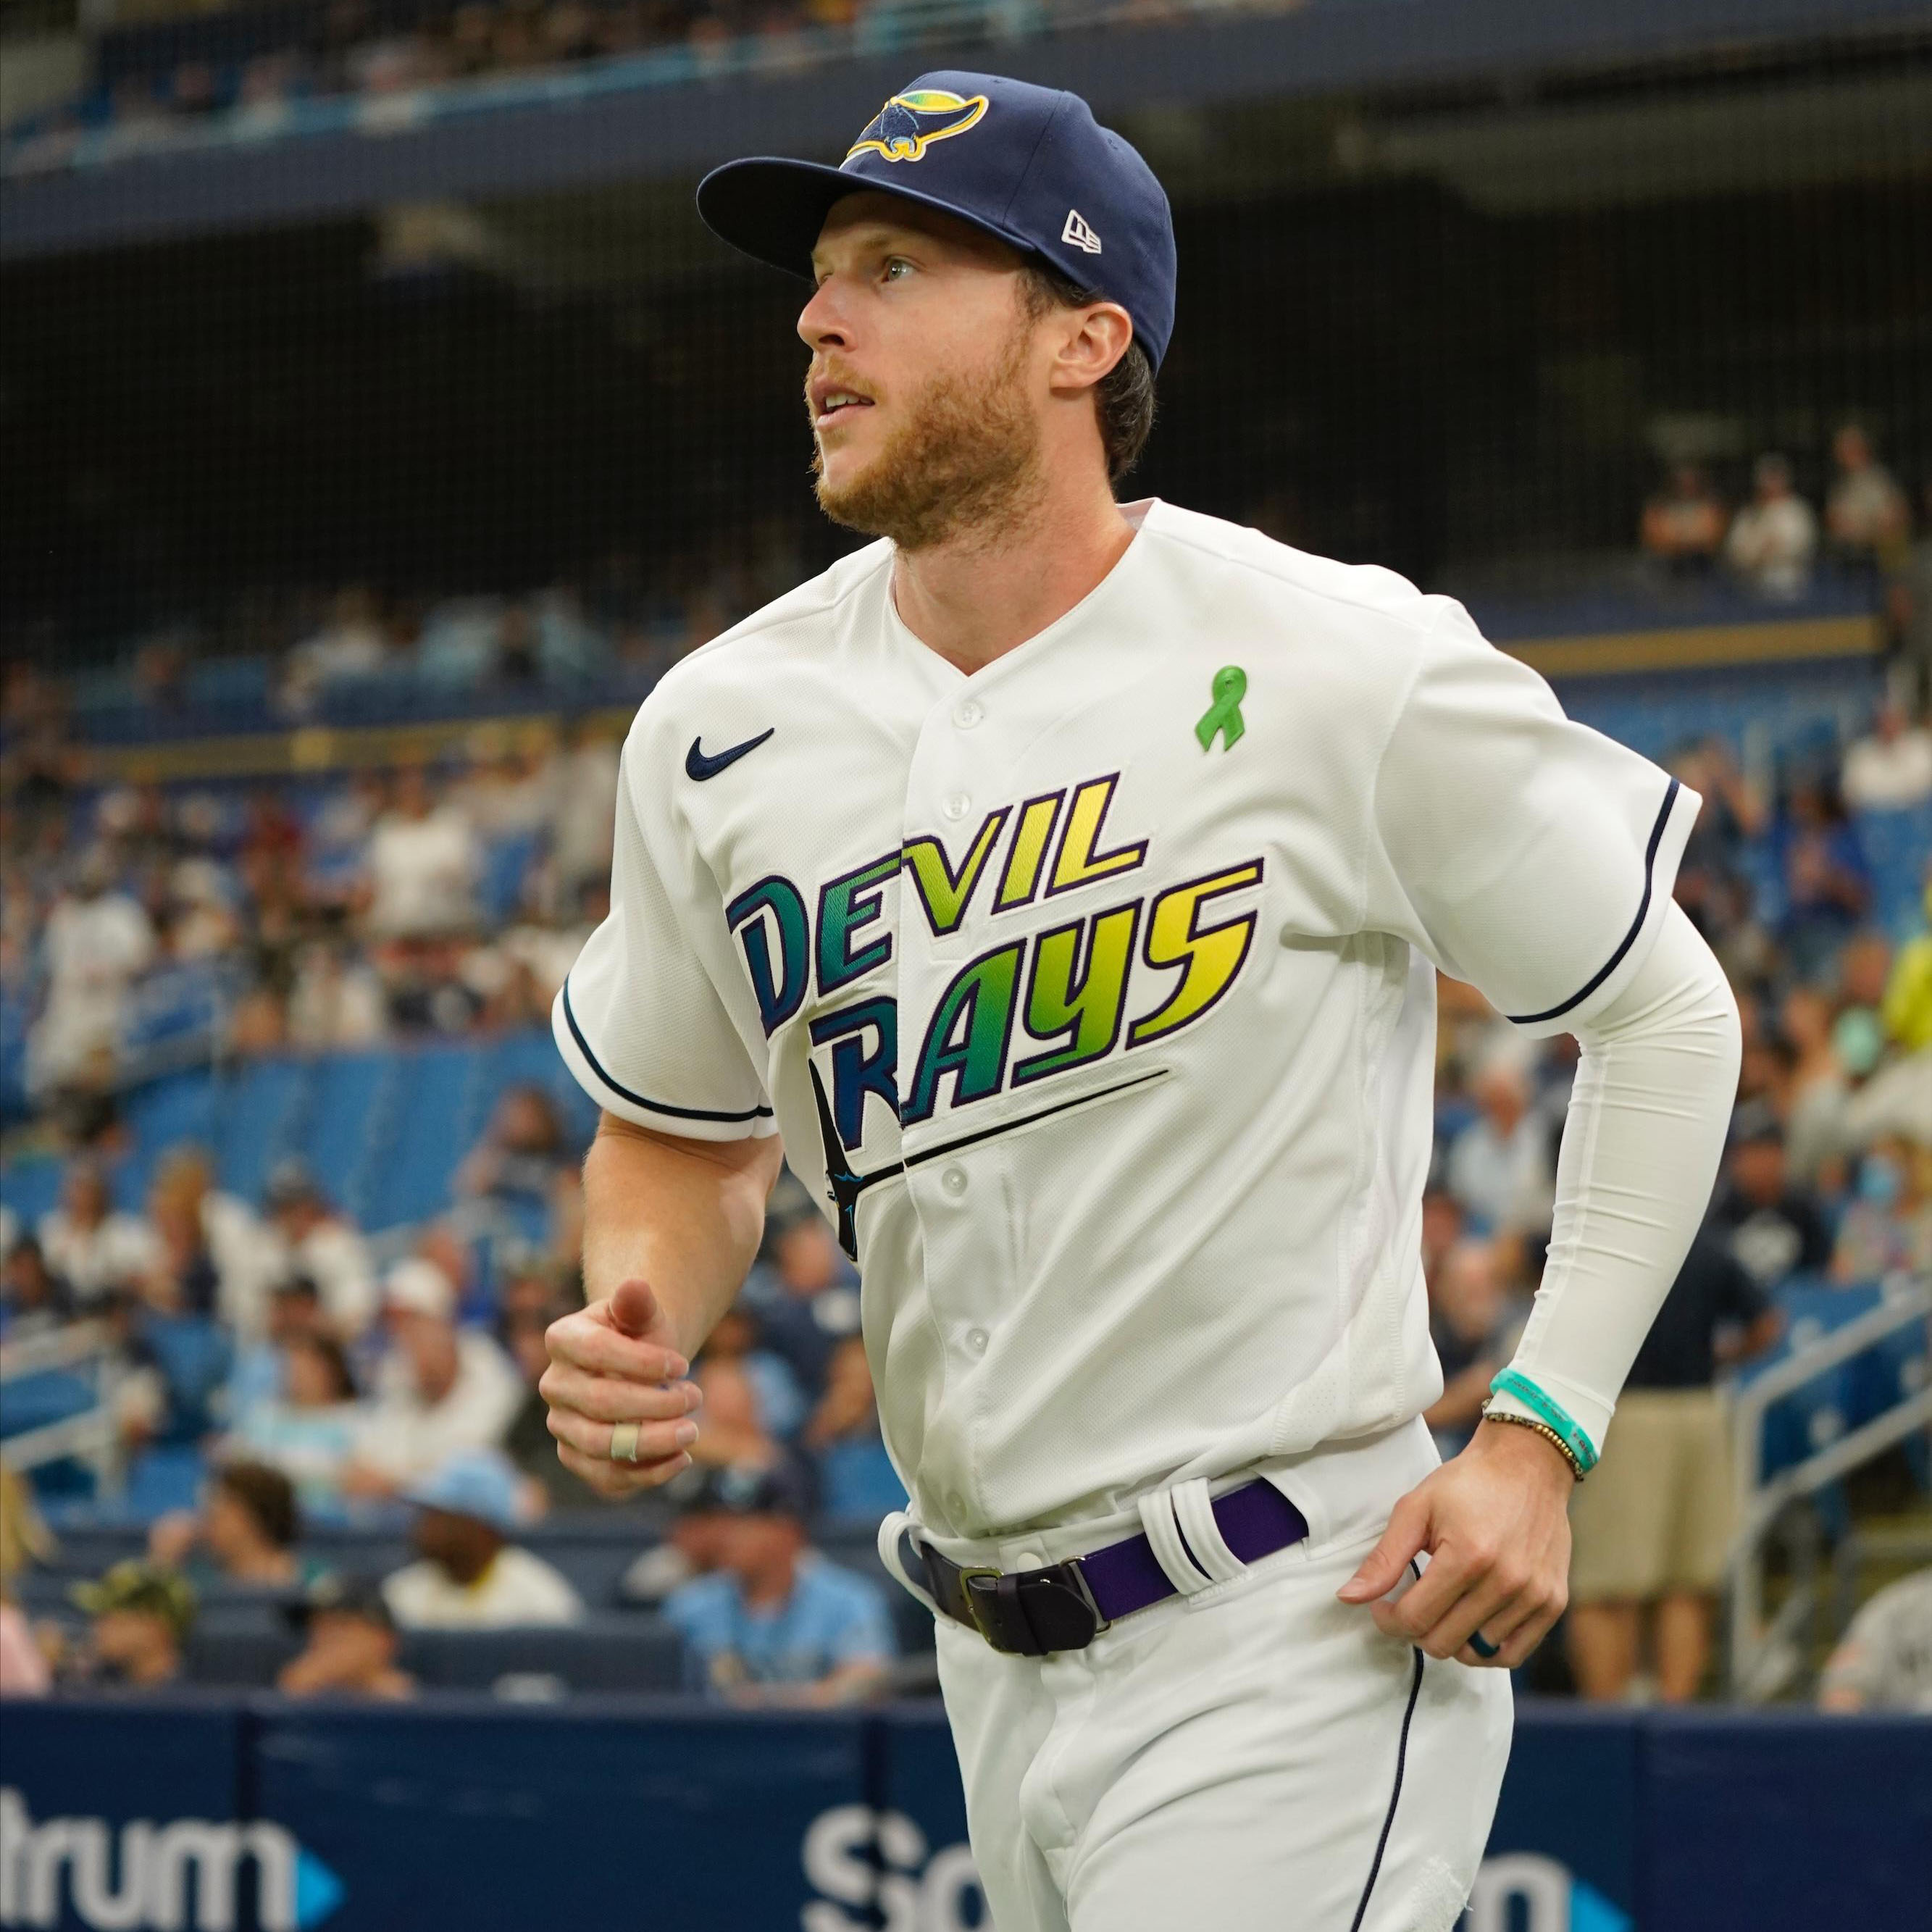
[267, 1495]
[1123, 397]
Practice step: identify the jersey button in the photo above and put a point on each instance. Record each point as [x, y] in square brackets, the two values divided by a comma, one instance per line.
[958, 805]
[977, 1341]
[1029, 1559]
[954, 1181]
[969, 714]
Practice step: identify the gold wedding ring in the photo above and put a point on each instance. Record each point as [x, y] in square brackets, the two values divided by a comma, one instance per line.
[624, 1442]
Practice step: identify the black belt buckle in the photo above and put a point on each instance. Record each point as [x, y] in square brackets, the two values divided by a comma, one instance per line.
[1034, 1612]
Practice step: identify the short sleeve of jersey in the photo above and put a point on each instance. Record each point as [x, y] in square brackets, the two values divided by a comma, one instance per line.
[1523, 852]
[639, 1020]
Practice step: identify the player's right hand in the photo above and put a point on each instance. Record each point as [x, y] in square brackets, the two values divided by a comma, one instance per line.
[616, 1361]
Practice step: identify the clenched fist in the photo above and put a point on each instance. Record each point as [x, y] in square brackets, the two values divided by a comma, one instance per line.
[615, 1362]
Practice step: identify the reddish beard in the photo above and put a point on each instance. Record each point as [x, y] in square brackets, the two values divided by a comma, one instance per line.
[965, 455]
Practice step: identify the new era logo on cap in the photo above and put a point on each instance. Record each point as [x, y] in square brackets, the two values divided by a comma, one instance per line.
[1077, 235]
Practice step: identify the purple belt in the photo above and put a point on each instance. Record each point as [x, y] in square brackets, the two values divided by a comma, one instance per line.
[1066, 1605]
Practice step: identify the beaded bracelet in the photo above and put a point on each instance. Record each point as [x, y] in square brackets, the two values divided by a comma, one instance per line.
[1543, 1429]
[1570, 1438]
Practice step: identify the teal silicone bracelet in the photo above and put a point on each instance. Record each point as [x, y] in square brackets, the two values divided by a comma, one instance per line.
[1510, 1383]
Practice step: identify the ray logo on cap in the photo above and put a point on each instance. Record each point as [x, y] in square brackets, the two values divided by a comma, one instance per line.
[910, 123]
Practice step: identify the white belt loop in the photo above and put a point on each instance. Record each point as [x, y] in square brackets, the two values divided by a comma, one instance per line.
[890, 1531]
[1195, 1513]
[1157, 1517]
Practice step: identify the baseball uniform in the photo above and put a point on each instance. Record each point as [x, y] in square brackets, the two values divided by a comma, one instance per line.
[1093, 994]
[1111, 1056]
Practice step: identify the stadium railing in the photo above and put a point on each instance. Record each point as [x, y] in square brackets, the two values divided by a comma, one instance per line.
[57, 1393]
[1763, 1652]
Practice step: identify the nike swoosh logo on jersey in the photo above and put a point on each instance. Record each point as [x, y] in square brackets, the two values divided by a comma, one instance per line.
[701, 765]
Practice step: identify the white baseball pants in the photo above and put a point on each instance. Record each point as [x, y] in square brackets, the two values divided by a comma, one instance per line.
[1255, 1757]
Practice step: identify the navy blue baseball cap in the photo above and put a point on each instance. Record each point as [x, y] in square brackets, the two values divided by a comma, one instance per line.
[1029, 164]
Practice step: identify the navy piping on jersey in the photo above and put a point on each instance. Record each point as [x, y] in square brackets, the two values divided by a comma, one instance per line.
[1636, 925]
[638, 1099]
[1388, 1817]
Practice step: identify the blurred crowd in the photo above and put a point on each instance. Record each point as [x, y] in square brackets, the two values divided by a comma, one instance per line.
[352, 48]
[298, 1368]
[1774, 542]
[432, 899]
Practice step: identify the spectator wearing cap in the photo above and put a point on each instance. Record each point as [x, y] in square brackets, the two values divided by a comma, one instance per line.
[439, 1390]
[1774, 538]
[92, 1245]
[140, 1616]
[693, 1545]
[350, 1644]
[1652, 1525]
[1885, 1663]
[469, 1575]
[245, 1534]
[1772, 1226]
[777, 1623]
[319, 1243]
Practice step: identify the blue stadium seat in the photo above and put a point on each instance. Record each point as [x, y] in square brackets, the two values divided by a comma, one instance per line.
[240, 1659]
[163, 1479]
[37, 1401]
[166, 1113]
[30, 1185]
[1898, 847]
[255, 1114]
[506, 864]
[195, 1356]
[858, 1481]
[425, 1134]
[338, 1135]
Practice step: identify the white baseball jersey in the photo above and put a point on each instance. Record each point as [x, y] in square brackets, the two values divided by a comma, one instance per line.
[1093, 993]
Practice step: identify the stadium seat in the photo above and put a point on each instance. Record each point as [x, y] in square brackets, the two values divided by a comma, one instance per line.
[617, 1653]
[425, 1132]
[339, 1136]
[857, 1480]
[236, 1657]
[162, 1479]
[30, 1185]
[254, 1114]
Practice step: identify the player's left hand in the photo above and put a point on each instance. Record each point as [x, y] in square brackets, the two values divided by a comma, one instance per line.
[1495, 1523]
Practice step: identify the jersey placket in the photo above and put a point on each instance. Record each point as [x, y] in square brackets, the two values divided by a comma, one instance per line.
[956, 780]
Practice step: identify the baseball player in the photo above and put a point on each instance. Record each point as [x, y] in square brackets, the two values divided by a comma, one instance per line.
[1064, 882]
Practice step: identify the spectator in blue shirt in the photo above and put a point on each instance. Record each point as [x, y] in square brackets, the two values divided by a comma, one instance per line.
[777, 1623]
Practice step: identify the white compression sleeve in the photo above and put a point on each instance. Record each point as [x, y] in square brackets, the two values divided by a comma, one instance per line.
[1641, 1144]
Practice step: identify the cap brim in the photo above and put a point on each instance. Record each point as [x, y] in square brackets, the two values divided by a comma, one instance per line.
[772, 209]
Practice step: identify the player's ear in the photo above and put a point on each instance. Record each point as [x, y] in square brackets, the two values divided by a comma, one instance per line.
[1092, 340]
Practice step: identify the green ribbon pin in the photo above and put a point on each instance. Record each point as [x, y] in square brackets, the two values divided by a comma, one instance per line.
[1224, 715]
